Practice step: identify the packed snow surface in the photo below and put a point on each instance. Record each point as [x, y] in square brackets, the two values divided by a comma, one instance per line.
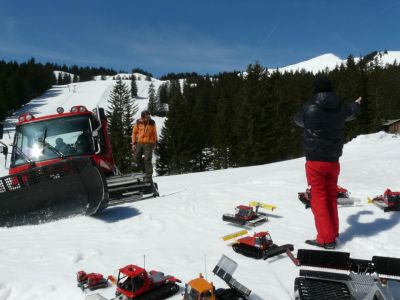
[180, 234]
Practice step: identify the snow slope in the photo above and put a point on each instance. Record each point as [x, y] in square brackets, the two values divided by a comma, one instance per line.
[180, 234]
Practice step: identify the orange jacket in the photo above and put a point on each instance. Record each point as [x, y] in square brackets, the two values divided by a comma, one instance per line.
[143, 133]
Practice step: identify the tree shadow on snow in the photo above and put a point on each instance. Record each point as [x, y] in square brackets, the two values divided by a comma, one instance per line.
[274, 216]
[115, 214]
[358, 229]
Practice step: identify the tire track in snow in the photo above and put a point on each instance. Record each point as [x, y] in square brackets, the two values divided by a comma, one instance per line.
[104, 97]
[5, 292]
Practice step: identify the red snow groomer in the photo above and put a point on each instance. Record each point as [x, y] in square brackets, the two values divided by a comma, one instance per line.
[62, 165]
[247, 215]
[91, 281]
[343, 196]
[260, 245]
[134, 282]
[389, 201]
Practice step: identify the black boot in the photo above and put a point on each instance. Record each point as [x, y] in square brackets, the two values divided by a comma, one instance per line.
[317, 244]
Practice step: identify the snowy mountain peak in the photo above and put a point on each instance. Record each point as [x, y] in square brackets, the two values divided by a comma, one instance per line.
[388, 57]
[327, 57]
[320, 63]
[330, 61]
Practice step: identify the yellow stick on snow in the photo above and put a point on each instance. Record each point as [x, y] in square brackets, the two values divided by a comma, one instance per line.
[263, 205]
[233, 235]
[370, 200]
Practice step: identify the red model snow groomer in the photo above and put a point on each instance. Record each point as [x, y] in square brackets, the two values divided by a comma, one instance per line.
[343, 197]
[134, 282]
[91, 281]
[259, 245]
[247, 215]
[389, 201]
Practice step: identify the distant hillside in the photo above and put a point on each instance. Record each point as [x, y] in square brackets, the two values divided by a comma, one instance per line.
[330, 61]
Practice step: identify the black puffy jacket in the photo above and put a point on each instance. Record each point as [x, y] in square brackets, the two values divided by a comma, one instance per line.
[323, 121]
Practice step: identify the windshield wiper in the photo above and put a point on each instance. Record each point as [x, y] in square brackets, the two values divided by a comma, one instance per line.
[24, 156]
[54, 150]
[50, 147]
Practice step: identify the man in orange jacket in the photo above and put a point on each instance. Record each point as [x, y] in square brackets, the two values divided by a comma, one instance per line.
[144, 139]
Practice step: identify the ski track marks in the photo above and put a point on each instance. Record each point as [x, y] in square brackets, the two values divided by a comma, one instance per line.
[5, 292]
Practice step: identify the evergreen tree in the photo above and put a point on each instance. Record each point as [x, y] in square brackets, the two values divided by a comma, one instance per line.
[227, 98]
[162, 99]
[141, 71]
[120, 115]
[163, 93]
[175, 127]
[162, 162]
[68, 79]
[153, 103]
[197, 137]
[134, 89]
[253, 119]
[60, 79]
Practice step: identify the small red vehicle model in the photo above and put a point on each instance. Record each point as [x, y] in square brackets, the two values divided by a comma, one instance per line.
[260, 245]
[389, 201]
[343, 196]
[134, 282]
[247, 215]
[91, 281]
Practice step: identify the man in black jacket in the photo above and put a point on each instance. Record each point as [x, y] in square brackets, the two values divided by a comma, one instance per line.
[323, 137]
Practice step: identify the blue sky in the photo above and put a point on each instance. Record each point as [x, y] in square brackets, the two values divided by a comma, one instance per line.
[204, 36]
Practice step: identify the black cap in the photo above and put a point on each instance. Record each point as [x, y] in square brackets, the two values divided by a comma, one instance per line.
[145, 113]
[322, 84]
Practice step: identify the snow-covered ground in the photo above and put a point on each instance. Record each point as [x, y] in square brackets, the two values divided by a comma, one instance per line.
[180, 234]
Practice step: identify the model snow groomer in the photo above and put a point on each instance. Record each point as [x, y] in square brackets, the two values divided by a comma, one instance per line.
[134, 282]
[91, 281]
[389, 201]
[247, 215]
[260, 245]
[343, 195]
[199, 288]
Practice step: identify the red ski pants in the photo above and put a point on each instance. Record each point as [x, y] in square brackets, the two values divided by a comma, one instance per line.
[323, 177]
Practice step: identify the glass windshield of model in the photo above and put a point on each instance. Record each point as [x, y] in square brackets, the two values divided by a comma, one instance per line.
[131, 284]
[260, 241]
[50, 139]
[243, 212]
[191, 294]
